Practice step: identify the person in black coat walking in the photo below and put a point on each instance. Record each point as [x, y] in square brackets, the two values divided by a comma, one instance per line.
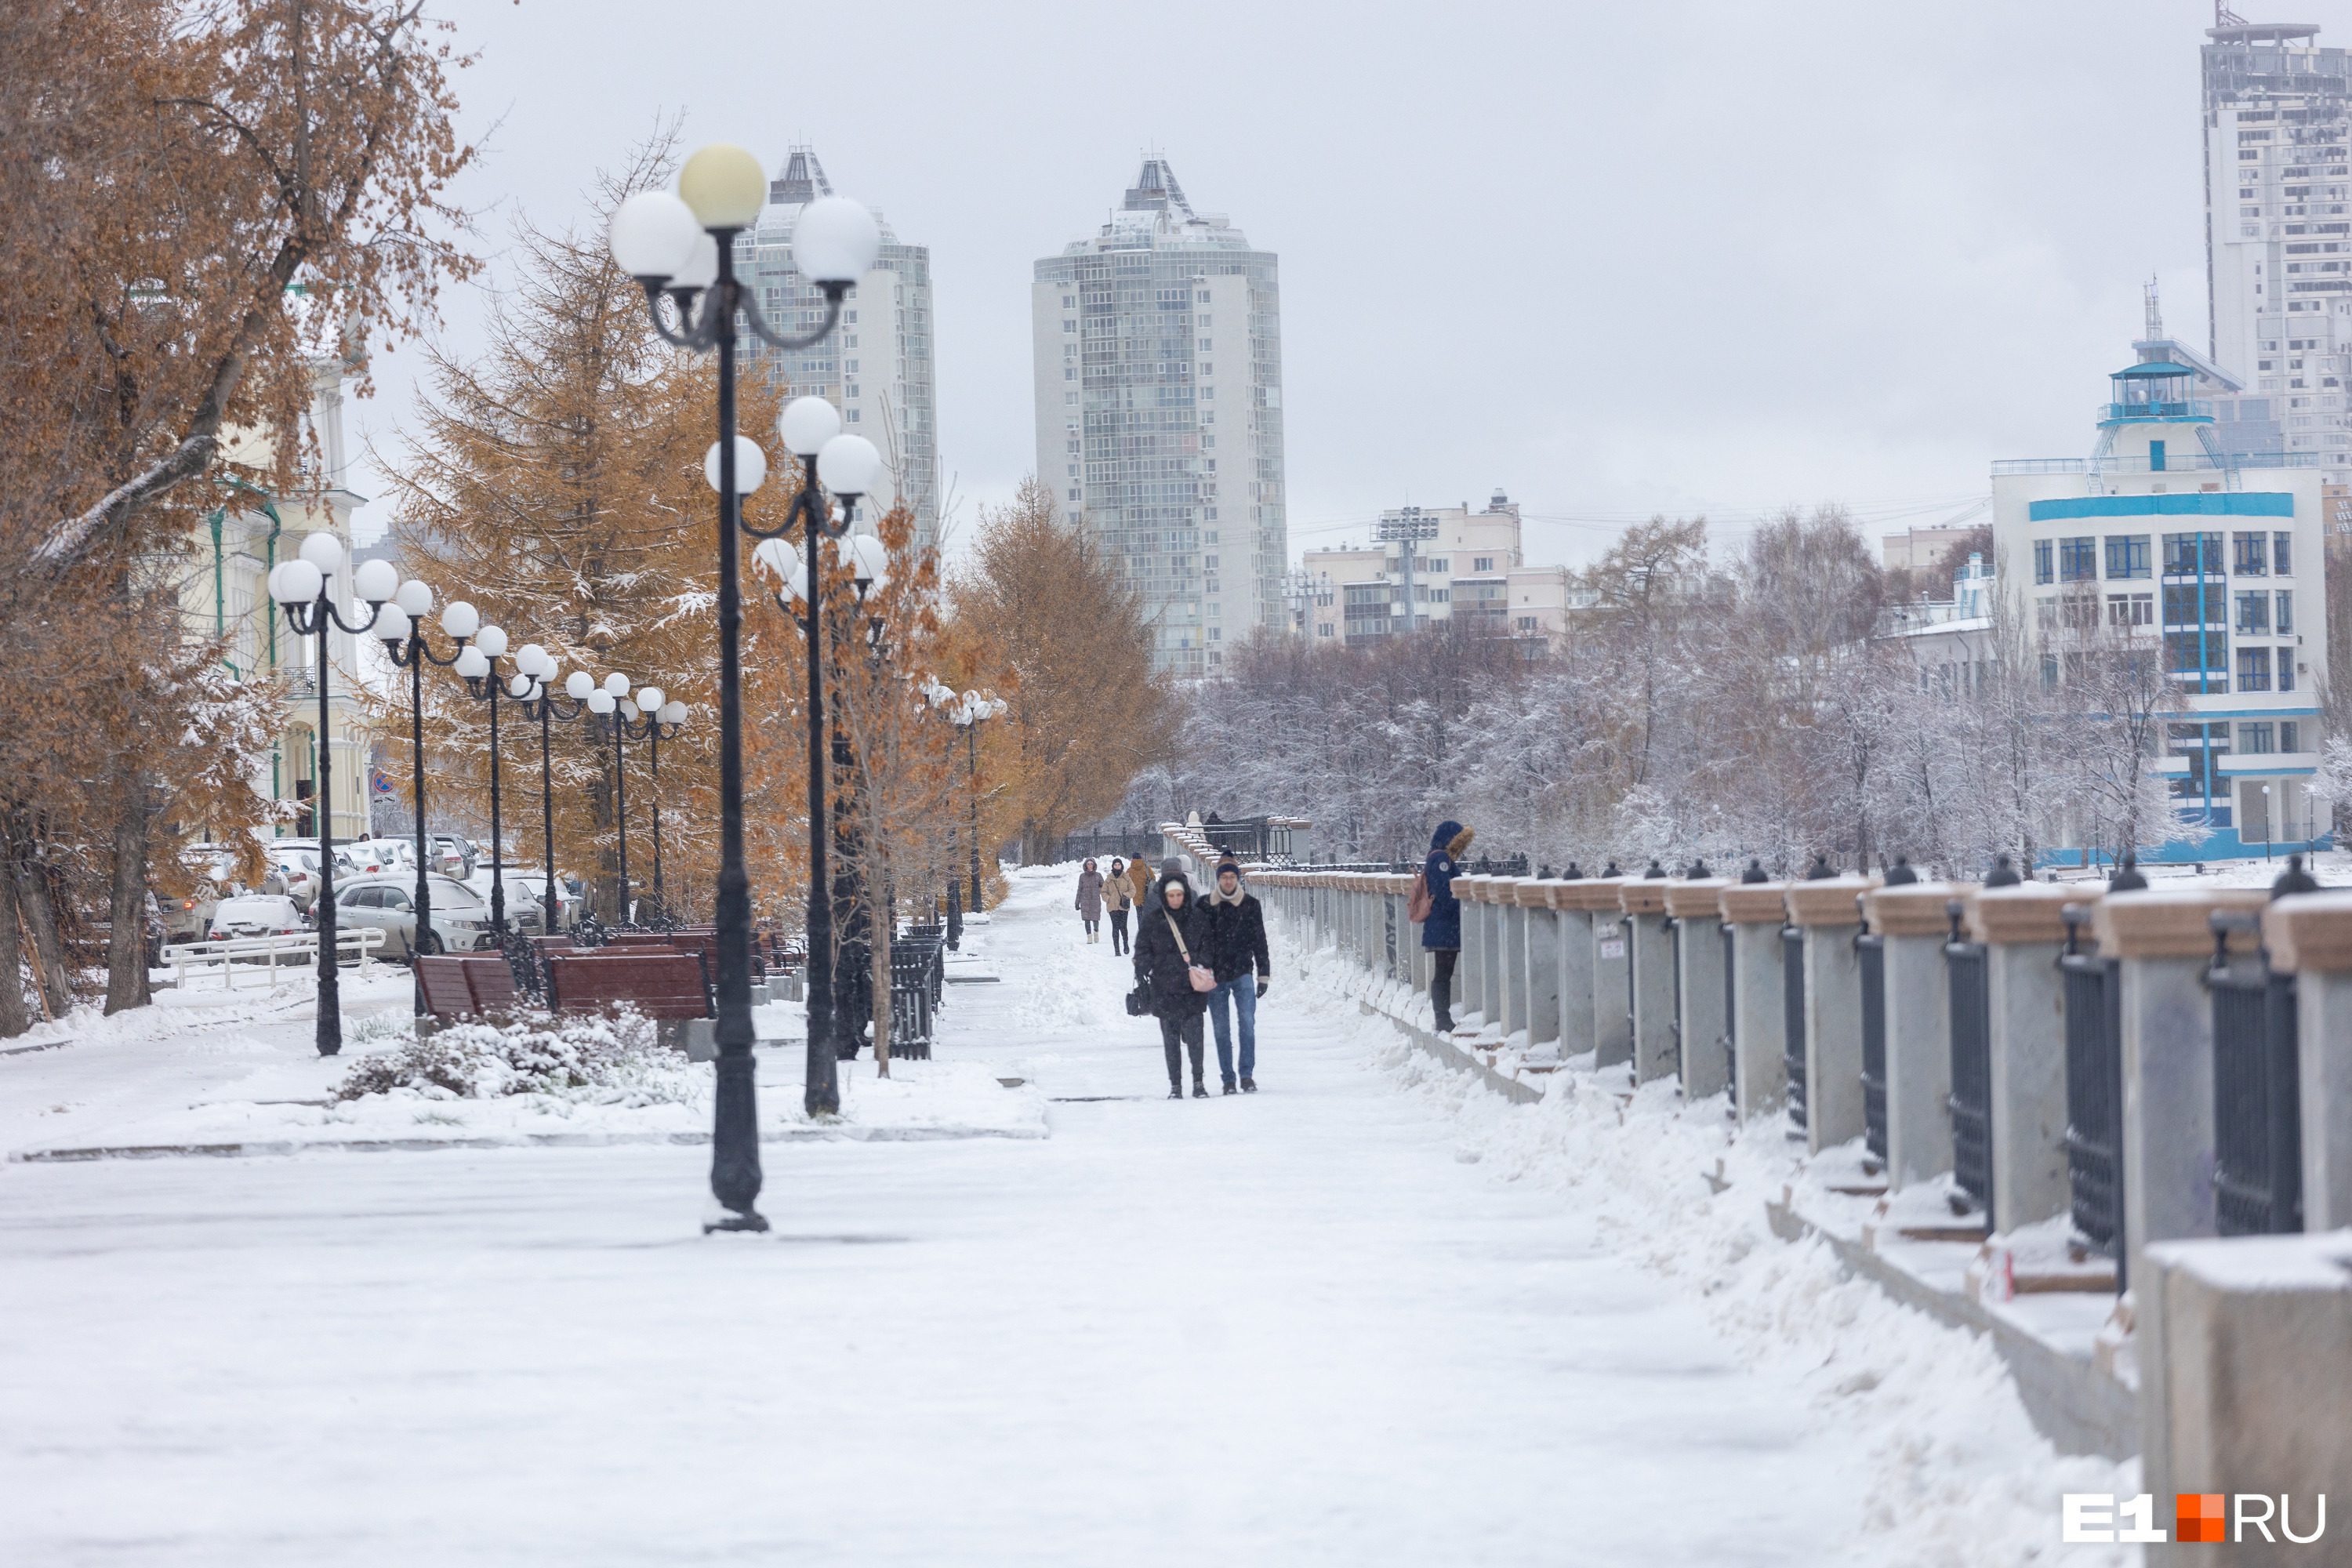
[1237, 942]
[1171, 935]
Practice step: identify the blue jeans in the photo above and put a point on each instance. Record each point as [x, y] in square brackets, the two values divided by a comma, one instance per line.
[1242, 990]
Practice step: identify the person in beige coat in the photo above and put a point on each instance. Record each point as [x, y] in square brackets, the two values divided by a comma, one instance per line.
[1118, 899]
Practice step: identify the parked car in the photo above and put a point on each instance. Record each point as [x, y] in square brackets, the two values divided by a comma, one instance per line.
[452, 855]
[461, 921]
[256, 914]
[527, 900]
[299, 869]
[189, 918]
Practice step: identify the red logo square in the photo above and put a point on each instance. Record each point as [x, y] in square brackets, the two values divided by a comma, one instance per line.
[2198, 1516]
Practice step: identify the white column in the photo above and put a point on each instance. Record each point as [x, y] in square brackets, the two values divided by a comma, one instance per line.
[2023, 937]
[2165, 941]
[1915, 923]
[1511, 920]
[1696, 909]
[1575, 966]
[1650, 978]
[1756, 911]
[1612, 1022]
[1542, 959]
[1831, 919]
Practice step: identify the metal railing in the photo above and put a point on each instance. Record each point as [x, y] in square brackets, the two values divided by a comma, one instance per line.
[1871, 949]
[2095, 1092]
[2257, 1100]
[1793, 1019]
[1970, 1101]
[355, 944]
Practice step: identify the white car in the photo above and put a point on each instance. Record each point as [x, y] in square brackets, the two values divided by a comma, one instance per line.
[527, 900]
[461, 921]
[256, 914]
[299, 869]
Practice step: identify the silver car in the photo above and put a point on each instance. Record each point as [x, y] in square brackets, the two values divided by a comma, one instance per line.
[461, 921]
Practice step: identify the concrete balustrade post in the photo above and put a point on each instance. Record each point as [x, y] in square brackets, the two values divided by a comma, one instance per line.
[1574, 962]
[1913, 922]
[2164, 938]
[1494, 974]
[2023, 937]
[1541, 957]
[1613, 1017]
[1650, 976]
[1511, 921]
[2310, 935]
[1755, 913]
[1696, 909]
[1831, 919]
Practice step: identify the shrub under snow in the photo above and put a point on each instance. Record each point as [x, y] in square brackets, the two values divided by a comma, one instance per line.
[614, 1059]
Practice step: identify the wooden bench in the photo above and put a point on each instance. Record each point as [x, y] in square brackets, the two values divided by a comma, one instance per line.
[666, 984]
[467, 987]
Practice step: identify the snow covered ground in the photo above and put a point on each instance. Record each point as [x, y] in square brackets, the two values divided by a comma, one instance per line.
[1373, 1315]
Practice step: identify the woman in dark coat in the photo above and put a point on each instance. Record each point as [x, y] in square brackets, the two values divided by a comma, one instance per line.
[1169, 927]
[1090, 901]
[1441, 934]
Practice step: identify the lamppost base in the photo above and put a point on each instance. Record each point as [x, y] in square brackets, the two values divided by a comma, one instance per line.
[754, 1221]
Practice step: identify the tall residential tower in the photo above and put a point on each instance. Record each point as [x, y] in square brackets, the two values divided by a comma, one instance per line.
[1158, 380]
[877, 367]
[2278, 237]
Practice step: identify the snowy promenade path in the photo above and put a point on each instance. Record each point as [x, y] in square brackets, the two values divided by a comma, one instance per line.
[1281, 1329]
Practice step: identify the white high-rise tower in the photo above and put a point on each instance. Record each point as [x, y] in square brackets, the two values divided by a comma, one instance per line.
[2278, 237]
[1159, 381]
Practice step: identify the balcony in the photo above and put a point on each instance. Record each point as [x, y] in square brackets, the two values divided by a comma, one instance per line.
[2174, 463]
[2186, 408]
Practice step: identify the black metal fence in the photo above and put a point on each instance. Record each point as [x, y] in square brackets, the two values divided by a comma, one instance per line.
[1126, 844]
[1871, 949]
[2257, 1101]
[1793, 1019]
[918, 972]
[2095, 1093]
[1971, 1097]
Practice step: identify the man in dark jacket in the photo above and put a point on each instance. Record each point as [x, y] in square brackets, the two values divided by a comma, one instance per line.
[1171, 934]
[1440, 933]
[1237, 939]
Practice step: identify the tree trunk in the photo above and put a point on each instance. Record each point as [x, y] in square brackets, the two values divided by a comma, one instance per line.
[126, 945]
[39, 923]
[11, 959]
[880, 946]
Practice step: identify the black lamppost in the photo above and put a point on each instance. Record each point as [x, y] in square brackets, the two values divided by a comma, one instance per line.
[299, 586]
[543, 705]
[398, 623]
[651, 718]
[976, 708]
[479, 665]
[685, 245]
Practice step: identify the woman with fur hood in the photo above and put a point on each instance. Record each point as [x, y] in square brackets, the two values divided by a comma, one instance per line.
[1440, 933]
[1171, 935]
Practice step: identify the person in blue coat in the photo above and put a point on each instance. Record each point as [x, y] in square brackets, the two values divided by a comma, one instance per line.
[1440, 933]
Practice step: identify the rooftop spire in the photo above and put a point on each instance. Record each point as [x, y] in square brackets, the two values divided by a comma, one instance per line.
[2154, 312]
[1156, 190]
[803, 180]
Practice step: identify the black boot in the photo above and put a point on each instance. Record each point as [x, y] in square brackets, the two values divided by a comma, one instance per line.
[1249, 1086]
[1176, 1089]
[1230, 1089]
[1199, 1089]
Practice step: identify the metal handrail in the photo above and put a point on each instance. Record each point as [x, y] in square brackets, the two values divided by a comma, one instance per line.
[182, 957]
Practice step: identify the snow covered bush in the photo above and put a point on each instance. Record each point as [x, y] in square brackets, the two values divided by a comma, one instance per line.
[540, 1053]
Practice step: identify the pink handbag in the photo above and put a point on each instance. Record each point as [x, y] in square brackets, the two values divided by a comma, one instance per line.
[1202, 979]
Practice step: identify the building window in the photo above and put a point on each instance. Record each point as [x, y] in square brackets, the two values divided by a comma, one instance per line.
[2131, 609]
[2045, 614]
[2256, 740]
[2042, 570]
[2128, 555]
[1482, 563]
[2253, 669]
[2186, 553]
[2282, 554]
[2285, 613]
[2290, 735]
[2251, 554]
[2254, 614]
[2078, 560]
[2190, 653]
[2286, 670]
[1527, 623]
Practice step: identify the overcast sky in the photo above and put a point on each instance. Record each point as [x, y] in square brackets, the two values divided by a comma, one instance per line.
[1613, 258]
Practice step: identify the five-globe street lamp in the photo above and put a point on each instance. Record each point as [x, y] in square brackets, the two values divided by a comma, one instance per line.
[977, 708]
[402, 621]
[478, 668]
[542, 705]
[684, 244]
[300, 587]
[652, 719]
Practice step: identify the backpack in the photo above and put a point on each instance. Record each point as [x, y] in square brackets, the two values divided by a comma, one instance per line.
[1416, 904]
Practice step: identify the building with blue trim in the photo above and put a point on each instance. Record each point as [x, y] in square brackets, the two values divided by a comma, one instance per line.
[2168, 533]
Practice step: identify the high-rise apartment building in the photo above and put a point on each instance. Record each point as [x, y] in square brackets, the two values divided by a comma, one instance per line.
[877, 367]
[1463, 566]
[2278, 237]
[1159, 381]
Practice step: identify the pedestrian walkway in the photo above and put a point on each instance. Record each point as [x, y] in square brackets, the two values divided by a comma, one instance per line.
[1282, 1328]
